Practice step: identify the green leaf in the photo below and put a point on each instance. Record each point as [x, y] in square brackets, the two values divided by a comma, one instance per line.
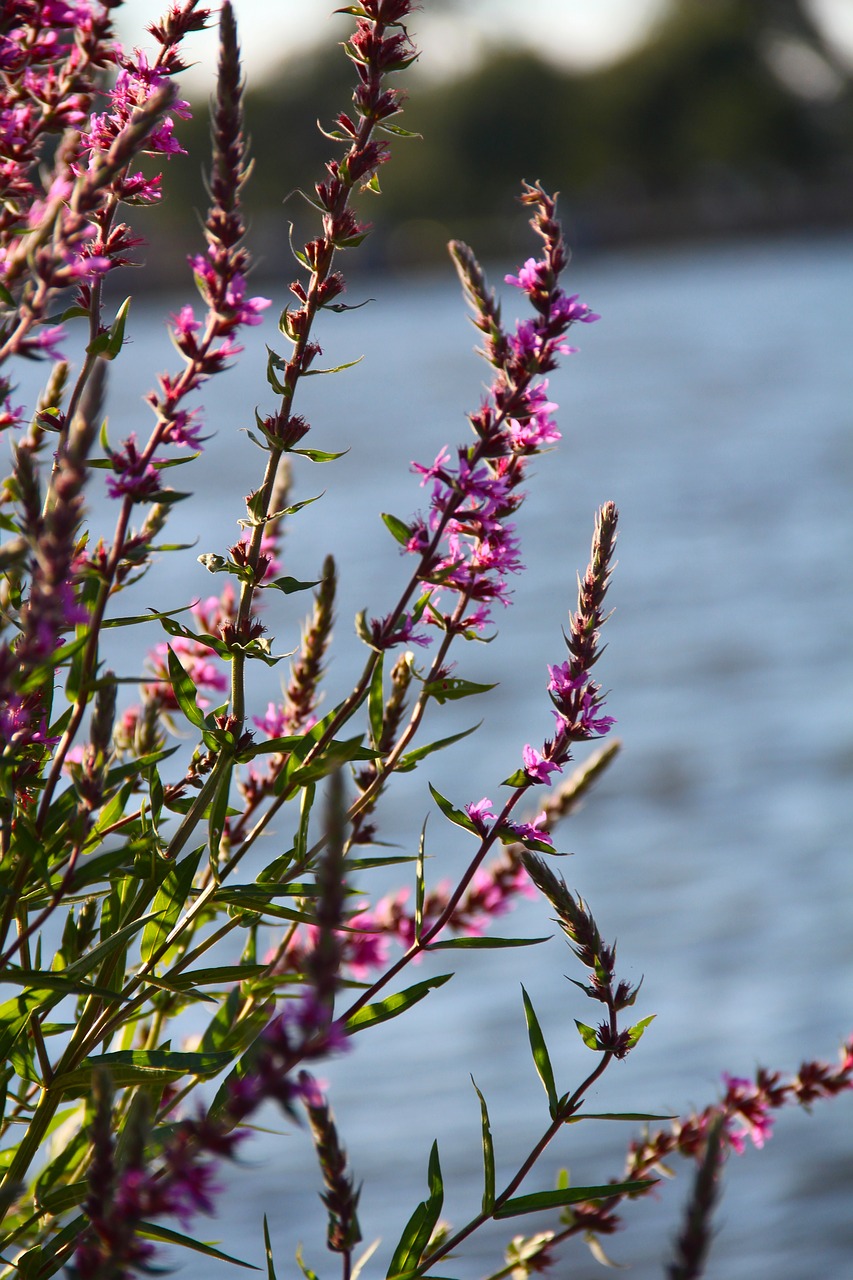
[218, 976]
[338, 368]
[268, 1251]
[91, 959]
[216, 820]
[376, 703]
[397, 528]
[419, 1228]
[397, 131]
[634, 1116]
[457, 816]
[318, 455]
[450, 690]
[15, 1015]
[254, 898]
[289, 585]
[277, 746]
[189, 1064]
[169, 903]
[411, 758]
[335, 753]
[571, 1195]
[482, 944]
[589, 1035]
[108, 345]
[184, 690]
[232, 1030]
[45, 980]
[78, 1083]
[62, 1198]
[638, 1028]
[488, 1154]
[393, 1005]
[155, 1231]
[420, 882]
[541, 1057]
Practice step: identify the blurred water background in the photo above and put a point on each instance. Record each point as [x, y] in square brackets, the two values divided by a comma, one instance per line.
[713, 404]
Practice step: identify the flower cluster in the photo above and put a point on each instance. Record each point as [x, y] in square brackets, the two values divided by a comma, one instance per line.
[50, 59]
[220, 275]
[466, 543]
[123, 1196]
[577, 698]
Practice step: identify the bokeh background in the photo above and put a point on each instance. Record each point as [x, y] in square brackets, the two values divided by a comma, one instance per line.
[703, 151]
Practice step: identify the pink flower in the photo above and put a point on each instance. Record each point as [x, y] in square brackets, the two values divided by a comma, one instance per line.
[537, 768]
[480, 813]
[531, 277]
[532, 830]
[273, 723]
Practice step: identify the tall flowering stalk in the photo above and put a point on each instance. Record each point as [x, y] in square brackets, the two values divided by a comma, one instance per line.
[120, 898]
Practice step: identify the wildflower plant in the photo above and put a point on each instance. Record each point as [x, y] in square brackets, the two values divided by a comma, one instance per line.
[140, 881]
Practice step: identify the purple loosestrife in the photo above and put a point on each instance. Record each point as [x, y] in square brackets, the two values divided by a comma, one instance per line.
[466, 544]
[124, 1196]
[577, 698]
[220, 275]
[744, 1111]
[50, 63]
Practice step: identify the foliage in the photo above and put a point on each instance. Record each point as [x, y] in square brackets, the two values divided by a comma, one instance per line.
[127, 905]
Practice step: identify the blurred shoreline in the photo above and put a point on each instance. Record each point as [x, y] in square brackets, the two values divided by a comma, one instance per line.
[719, 213]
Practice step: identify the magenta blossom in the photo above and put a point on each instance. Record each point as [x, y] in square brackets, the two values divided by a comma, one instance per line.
[480, 813]
[532, 830]
[537, 768]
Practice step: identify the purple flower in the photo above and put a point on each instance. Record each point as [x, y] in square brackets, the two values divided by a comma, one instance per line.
[273, 724]
[532, 830]
[182, 431]
[533, 276]
[745, 1103]
[568, 310]
[562, 681]
[537, 768]
[133, 476]
[480, 813]
[387, 632]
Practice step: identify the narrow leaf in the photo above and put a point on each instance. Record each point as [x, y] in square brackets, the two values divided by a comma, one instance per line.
[169, 902]
[268, 1251]
[421, 1225]
[411, 758]
[393, 1005]
[634, 1116]
[488, 1154]
[457, 816]
[397, 528]
[91, 959]
[184, 690]
[156, 1231]
[570, 1195]
[482, 944]
[289, 585]
[376, 703]
[450, 690]
[420, 883]
[540, 1053]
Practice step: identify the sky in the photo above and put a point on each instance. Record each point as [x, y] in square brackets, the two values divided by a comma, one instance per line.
[451, 34]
